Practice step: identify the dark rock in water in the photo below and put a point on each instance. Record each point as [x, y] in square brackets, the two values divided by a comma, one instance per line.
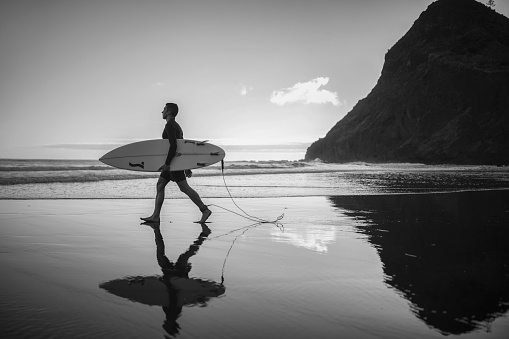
[442, 97]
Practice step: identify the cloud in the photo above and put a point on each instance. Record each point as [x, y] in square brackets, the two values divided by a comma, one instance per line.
[306, 93]
[243, 89]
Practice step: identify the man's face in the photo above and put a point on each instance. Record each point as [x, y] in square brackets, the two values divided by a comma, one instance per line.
[166, 112]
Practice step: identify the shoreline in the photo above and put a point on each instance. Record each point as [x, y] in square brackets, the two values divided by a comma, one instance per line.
[268, 197]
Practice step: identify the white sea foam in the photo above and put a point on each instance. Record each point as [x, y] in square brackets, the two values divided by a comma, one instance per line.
[88, 179]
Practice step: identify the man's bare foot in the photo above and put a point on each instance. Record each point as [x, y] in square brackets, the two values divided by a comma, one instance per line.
[151, 219]
[205, 215]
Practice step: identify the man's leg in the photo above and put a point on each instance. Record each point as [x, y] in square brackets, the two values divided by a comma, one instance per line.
[161, 185]
[194, 196]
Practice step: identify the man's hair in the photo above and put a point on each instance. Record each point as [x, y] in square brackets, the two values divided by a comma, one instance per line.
[173, 108]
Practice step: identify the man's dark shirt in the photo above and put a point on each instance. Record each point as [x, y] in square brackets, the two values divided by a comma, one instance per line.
[172, 132]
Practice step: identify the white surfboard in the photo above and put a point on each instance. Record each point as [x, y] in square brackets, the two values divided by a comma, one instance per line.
[150, 155]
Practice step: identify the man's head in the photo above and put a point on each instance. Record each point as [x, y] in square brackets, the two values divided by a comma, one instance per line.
[170, 109]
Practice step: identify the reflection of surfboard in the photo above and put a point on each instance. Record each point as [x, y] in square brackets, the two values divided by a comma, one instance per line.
[149, 155]
[152, 290]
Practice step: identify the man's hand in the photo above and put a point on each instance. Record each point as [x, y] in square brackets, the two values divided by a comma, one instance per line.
[189, 173]
[164, 168]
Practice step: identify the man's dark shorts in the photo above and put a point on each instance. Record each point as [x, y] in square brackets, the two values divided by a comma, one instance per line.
[175, 176]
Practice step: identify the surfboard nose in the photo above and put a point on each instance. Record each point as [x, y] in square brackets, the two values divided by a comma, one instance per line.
[104, 158]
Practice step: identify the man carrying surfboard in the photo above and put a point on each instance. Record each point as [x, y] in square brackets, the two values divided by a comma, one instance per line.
[172, 132]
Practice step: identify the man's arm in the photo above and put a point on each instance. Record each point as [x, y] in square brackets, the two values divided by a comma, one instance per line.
[172, 139]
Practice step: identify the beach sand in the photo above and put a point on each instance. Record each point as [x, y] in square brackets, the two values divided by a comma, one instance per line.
[334, 267]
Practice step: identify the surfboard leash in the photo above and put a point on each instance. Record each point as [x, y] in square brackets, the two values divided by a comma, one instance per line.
[257, 222]
[247, 215]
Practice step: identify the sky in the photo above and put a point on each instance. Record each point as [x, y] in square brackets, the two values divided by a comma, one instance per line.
[79, 78]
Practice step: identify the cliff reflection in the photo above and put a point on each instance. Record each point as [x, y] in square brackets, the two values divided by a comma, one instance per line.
[174, 289]
[445, 253]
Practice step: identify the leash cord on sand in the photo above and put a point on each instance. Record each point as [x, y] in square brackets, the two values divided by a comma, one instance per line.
[247, 215]
[258, 221]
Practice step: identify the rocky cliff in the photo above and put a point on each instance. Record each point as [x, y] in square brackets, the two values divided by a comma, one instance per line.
[442, 97]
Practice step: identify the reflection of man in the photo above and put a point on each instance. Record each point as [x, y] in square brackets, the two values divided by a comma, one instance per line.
[181, 289]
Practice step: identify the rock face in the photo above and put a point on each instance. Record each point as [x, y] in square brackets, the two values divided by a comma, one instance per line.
[442, 97]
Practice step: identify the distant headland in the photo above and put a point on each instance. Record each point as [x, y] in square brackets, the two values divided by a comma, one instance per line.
[442, 97]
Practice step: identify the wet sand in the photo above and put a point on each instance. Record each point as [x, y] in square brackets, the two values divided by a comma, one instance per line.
[390, 266]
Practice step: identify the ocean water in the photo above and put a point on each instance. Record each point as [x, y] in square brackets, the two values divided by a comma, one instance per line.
[89, 179]
[363, 251]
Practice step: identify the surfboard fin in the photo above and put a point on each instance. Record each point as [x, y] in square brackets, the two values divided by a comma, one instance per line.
[201, 143]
